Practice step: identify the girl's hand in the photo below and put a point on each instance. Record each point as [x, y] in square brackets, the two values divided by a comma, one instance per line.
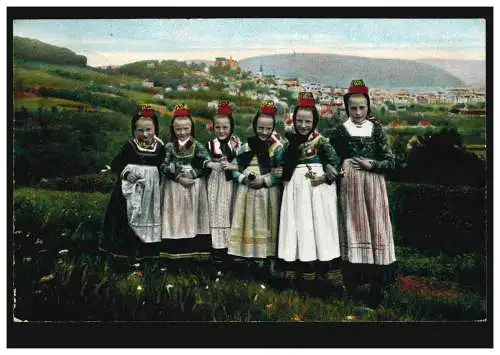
[227, 166]
[318, 180]
[256, 183]
[362, 163]
[214, 166]
[185, 181]
[331, 172]
[131, 177]
[277, 172]
[171, 168]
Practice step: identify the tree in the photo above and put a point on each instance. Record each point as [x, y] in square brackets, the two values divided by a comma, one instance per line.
[247, 86]
[390, 105]
[383, 111]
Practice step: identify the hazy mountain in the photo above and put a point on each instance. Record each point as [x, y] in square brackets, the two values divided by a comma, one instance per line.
[472, 72]
[35, 50]
[339, 70]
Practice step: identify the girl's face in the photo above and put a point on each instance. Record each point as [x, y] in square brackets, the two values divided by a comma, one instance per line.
[358, 108]
[144, 130]
[222, 127]
[264, 127]
[182, 128]
[304, 122]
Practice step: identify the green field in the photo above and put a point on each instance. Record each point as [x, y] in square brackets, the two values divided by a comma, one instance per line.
[33, 103]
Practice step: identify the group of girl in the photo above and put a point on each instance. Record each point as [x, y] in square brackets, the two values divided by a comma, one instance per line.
[269, 201]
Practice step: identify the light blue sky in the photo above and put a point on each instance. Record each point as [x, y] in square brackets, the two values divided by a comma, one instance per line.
[124, 40]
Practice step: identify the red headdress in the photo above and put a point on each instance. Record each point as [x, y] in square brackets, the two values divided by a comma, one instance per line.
[358, 87]
[306, 99]
[146, 110]
[224, 108]
[181, 110]
[268, 108]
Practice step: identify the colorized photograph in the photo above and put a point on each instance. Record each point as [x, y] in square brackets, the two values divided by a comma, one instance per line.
[249, 170]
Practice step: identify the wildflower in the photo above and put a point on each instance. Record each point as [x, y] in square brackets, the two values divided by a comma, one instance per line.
[63, 251]
[296, 318]
[206, 287]
[163, 269]
[217, 280]
[352, 317]
[136, 265]
[106, 169]
[38, 241]
[139, 288]
[219, 273]
[135, 275]
[47, 278]
[269, 306]
[262, 286]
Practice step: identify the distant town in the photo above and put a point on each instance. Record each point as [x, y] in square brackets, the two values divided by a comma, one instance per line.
[259, 86]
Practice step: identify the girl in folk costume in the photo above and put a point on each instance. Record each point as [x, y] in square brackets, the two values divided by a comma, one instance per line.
[185, 226]
[254, 227]
[308, 220]
[132, 222]
[221, 186]
[367, 242]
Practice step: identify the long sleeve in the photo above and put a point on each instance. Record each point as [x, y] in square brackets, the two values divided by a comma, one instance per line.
[386, 160]
[336, 137]
[202, 157]
[328, 155]
[277, 160]
[120, 161]
[165, 166]
[236, 174]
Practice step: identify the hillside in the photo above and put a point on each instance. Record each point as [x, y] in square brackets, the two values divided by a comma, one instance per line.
[472, 72]
[340, 70]
[33, 50]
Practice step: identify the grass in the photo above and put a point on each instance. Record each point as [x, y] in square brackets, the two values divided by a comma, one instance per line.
[34, 103]
[85, 74]
[56, 235]
[78, 283]
[42, 78]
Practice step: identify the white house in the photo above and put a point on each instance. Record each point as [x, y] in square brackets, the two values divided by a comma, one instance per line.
[212, 105]
[147, 83]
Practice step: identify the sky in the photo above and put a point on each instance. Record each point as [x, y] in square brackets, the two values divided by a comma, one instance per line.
[121, 41]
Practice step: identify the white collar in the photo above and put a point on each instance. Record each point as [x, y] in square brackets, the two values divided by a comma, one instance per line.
[359, 130]
[182, 143]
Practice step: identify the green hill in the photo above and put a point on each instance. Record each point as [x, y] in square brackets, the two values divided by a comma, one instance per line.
[33, 50]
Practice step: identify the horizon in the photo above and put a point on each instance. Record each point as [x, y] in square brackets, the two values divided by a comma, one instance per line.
[123, 41]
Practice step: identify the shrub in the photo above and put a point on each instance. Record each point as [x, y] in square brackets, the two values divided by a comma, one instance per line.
[439, 218]
[102, 182]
